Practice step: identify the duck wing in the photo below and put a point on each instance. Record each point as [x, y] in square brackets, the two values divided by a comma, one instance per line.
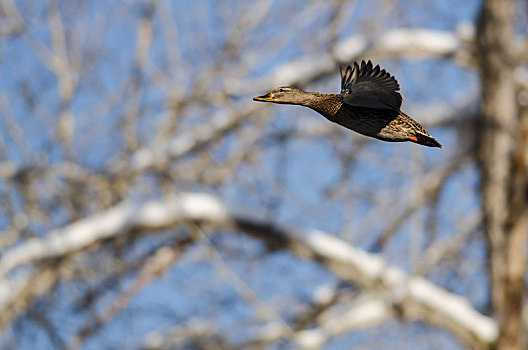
[368, 86]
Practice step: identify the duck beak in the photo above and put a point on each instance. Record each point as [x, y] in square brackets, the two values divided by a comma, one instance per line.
[264, 98]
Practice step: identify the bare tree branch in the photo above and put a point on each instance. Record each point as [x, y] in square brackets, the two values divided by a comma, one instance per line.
[419, 299]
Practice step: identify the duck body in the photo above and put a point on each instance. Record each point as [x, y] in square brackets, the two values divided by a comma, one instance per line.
[383, 124]
[368, 104]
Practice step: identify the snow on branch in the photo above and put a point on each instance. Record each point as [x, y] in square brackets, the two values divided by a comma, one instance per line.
[418, 298]
[409, 43]
[365, 312]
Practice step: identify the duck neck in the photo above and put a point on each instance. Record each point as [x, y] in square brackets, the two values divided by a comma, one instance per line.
[325, 104]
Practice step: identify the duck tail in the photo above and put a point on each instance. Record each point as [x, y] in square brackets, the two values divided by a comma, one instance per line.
[425, 140]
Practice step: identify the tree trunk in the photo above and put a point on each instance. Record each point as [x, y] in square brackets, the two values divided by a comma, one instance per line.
[503, 172]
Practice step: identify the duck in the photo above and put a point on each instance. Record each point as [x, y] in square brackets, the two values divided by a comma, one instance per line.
[369, 104]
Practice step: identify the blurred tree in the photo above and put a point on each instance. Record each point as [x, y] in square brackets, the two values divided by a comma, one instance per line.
[146, 202]
[503, 166]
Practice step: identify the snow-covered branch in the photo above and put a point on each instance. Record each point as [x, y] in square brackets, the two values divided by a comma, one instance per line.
[418, 298]
[416, 43]
[366, 312]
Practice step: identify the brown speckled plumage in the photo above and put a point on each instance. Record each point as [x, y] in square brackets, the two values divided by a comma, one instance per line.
[369, 103]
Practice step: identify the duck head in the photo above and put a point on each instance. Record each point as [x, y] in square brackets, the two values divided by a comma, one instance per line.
[286, 94]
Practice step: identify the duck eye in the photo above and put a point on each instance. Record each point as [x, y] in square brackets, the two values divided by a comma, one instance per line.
[281, 90]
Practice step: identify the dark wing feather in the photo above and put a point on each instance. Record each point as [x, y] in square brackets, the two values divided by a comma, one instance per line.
[368, 86]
